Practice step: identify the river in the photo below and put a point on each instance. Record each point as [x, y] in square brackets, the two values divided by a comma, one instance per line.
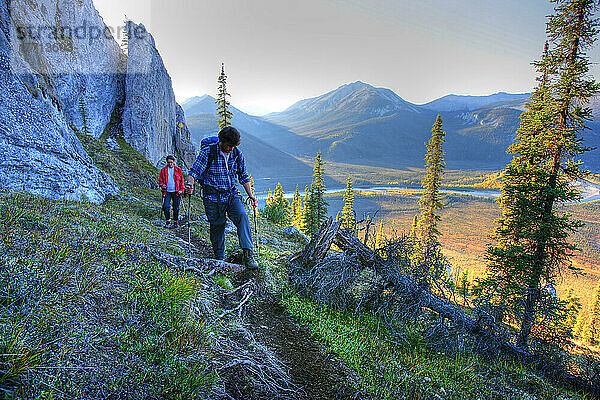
[590, 192]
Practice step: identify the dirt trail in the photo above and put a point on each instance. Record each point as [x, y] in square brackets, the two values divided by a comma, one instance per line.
[313, 369]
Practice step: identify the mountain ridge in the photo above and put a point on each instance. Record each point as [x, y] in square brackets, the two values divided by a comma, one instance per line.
[360, 124]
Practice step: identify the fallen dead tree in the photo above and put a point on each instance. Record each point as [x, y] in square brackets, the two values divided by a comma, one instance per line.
[319, 274]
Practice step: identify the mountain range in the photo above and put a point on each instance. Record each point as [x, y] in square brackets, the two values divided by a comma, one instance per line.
[264, 159]
[364, 125]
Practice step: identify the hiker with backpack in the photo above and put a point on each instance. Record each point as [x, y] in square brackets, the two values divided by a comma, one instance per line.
[170, 180]
[216, 168]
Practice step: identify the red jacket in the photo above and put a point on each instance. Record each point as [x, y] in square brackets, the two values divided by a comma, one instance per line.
[164, 176]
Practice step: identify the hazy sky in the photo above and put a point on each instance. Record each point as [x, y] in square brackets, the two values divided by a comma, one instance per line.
[277, 52]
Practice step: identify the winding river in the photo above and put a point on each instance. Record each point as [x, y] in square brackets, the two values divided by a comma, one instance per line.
[589, 191]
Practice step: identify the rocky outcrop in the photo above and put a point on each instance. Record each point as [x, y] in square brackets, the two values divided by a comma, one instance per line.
[62, 71]
[39, 152]
[64, 42]
[153, 123]
[183, 140]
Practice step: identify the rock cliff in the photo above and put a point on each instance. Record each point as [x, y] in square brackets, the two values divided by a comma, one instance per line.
[39, 152]
[153, 123]
[63, 72]
[82, 67]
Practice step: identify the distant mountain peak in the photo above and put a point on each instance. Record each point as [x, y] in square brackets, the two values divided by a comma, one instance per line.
[356, 84]
[196, 100]
[459, 102]
[359, 98]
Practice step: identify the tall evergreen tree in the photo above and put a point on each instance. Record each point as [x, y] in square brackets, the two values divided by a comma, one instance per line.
[251, 183]
[431, 199]
[296, 214]
[591, 331]
[463, 289]
[305, 211]
[532, 237]
[380, 236]
[368, 223]
[415, 226]
[223, 114]
[348, 211]
[316, 212]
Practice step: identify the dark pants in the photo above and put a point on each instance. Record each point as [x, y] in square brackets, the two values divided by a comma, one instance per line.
[167, 205]
[215, 212]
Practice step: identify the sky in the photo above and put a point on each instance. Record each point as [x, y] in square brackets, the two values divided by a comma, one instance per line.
[277, 52]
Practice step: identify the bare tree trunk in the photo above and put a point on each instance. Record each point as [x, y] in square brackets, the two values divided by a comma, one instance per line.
[330, 233]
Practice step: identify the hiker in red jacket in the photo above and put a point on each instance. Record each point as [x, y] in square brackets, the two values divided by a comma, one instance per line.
[170, 181]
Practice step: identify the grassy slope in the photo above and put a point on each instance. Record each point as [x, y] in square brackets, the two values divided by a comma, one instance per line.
[86, 311]
[390, 368]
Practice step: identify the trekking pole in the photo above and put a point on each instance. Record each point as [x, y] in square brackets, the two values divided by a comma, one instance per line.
[189, 222]
[256, 232]
[160, 210]
[248, 201]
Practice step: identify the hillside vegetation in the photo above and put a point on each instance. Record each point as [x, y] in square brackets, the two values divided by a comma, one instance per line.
[96, 302]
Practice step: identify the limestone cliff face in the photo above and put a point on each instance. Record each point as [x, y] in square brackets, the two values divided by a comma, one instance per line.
[38, 150]
[64, 41]
[62, 71]
[183, 140]
[153, 123]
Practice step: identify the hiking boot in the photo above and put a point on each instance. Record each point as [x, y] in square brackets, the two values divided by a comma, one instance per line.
[168, 223]
[249, 260]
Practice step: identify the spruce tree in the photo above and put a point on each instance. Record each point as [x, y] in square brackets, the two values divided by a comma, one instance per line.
[223, 114]
[592, 329]
[532, 244]
[415, 226]
[305, 211]
[368, 223]
[316, 212]
[431, 199]
[251, 183]
[379, 242]
[296, 214]
[278, 207]
[348, 211]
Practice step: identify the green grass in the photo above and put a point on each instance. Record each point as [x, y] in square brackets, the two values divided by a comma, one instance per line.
[403, 367]
[85, 310]
[78, 290]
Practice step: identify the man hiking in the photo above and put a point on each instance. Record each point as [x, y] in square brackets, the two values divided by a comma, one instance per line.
[170, 181]
[216, 168]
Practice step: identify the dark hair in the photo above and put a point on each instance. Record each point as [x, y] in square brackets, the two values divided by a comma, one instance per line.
[229, 135]
[170, 158]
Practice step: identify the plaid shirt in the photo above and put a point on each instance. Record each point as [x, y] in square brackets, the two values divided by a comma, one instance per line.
[220, 176]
